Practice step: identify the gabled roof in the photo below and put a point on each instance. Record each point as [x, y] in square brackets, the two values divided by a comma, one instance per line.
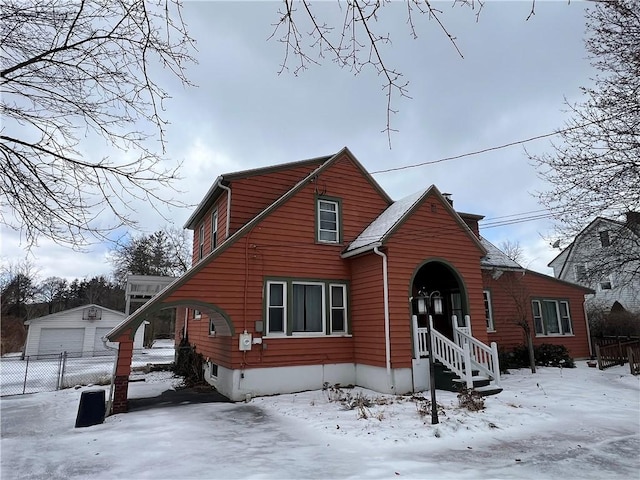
[496, 258]
[138, 315]
[71, 310]
[225, 180]
[383, 227]
[569, 250]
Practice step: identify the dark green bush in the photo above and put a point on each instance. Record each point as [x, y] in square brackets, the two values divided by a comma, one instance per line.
[546, 355]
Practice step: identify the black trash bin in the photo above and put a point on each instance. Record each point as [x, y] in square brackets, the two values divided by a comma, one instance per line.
[91, 409]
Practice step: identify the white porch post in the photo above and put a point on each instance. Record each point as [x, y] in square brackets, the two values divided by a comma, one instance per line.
[416, 339]
[467, 365]
[496, 363]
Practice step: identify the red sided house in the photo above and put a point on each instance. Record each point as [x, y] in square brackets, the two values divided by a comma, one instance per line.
[303, 274]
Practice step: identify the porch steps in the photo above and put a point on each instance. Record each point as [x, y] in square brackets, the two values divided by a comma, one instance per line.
[448, 380]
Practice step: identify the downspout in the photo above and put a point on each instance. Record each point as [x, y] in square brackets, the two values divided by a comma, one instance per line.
[387, 337]
[228, 190]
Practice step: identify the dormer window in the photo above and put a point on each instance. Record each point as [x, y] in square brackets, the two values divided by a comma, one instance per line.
[605, 241]
[328, 220]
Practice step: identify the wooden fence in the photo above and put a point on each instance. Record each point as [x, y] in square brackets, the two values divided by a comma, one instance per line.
[611, 351]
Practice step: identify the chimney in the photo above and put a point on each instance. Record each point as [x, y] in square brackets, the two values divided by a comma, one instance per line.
[448, 198]
[633, 221]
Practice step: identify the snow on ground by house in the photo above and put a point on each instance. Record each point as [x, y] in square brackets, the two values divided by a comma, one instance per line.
[572, 423]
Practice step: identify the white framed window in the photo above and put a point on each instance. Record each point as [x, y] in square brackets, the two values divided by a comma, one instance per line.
[213, 370]
[580, 272]
[276, 308]
[214, 229]
[605, 240]
[488, 311]
[201, 242]
[301, 307]
[551, 317]
[328, 221]
[338, 306]
[197, 314]
[307, 308]
[606, 283]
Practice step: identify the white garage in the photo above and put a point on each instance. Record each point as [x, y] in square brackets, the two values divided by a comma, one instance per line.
[77, 331]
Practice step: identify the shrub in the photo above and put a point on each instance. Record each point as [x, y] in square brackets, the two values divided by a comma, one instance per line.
[470, 399]
[189, 364]
[546, 355]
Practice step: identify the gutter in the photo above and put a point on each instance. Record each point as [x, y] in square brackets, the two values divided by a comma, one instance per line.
[387, 337]
[359, 250]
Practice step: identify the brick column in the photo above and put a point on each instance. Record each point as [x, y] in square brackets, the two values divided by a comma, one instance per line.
[123, 370]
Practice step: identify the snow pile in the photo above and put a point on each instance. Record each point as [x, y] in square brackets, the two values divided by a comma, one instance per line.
[572, 423]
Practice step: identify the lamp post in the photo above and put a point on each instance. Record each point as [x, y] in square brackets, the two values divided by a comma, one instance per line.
[427, 302]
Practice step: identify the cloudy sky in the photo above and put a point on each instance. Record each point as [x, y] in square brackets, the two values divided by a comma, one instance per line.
[511, 85]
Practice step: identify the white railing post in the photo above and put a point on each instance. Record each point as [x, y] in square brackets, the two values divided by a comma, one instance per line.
[416, 340]
[496, 363]
[467, 365]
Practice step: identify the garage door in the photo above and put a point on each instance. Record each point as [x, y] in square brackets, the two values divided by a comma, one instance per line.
[58, 340]
[98, 346]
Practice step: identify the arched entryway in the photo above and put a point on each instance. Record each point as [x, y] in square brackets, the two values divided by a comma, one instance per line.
[439, 275]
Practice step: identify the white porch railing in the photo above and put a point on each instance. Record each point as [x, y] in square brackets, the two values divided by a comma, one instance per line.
[461, 356]
[483, 357]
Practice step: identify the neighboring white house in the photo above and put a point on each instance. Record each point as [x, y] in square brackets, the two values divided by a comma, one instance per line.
[77, 331]
[597, 249]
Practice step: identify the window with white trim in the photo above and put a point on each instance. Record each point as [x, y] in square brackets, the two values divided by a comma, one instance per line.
[201, 242]
[488, 311]
[551, 317]
[197, 314]
[338, 304]
[581, 273]
[276, 307]
[328, 221]
[307, 308]
[214, 229]
[300, 307]
[606, 283]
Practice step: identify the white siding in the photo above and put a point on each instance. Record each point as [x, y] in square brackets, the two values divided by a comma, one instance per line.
[58, 340]
[73, 320]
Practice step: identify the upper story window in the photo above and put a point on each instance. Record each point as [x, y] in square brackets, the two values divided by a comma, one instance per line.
[605, 283]
[605, 240]
[300, 307]
[551, 317]
[488, 312]
[201, 242]
[328, 220]
[214, 229]
[581, 273]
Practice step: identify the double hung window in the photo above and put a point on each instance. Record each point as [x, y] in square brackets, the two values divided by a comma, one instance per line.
[328, 221]
[551, 317]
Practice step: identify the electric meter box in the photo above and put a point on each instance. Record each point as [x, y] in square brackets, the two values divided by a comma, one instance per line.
[244, 341]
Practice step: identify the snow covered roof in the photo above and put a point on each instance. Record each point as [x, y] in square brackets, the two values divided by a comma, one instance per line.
[381, 226]
[496, 258]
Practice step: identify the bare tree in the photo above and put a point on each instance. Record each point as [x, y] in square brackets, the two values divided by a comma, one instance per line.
[513, 285]
[53, 291]
[162, 253]
[595, 168]
[74, 72]
[513, 250]
[357, 43]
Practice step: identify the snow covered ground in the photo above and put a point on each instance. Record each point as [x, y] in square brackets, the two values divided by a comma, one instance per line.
[572, 423]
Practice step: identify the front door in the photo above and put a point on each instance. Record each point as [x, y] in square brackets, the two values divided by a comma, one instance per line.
[459, 321]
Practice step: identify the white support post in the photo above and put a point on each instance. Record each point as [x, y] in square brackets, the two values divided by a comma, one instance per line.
[496, 363]
[416, 339]
[467, 365]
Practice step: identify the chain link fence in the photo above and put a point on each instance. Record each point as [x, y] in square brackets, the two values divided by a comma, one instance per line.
[46, 373]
